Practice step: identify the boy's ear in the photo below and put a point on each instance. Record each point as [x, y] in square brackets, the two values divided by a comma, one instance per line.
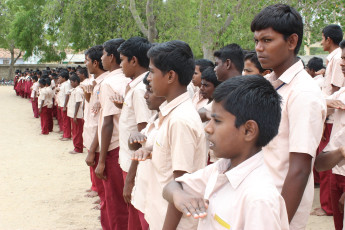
[228, 63]
[134, 60]
[292, 41]
[251, 131]
[172, 76]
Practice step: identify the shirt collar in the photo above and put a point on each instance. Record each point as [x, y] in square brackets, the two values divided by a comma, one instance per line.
[333, 54]
[166, 108]
[116, 72]
[137, 80]
[241, 171]
[290, 73]
[101, 77]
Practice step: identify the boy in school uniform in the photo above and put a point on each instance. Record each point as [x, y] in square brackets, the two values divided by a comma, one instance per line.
[278, 34]
[238, 131]
[94, 66]
[228, 63]
[65, 86]
[180, 144]
[42, 105]
[200, 65]
[50, 95]
[314, 65]
[333, 153]
[75, 113]
[107, 137]
[34, 93]
[134, 115]
[144, 138]
[333, 80]
[253, 66]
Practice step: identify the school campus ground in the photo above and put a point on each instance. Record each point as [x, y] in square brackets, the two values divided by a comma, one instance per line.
[42, 185]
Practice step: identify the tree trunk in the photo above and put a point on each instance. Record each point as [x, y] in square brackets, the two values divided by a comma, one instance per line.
[137, 19]
[13, 61]
[151, 22]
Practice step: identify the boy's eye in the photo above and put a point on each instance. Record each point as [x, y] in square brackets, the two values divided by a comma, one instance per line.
[267, 40]
[216, 120]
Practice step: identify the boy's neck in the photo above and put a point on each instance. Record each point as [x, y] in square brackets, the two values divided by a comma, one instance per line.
[139, 71]
[332, 48]
[246, 154]
[114, 67]
[232, 73]
[284, 66]
[97, 73]
[175, 92]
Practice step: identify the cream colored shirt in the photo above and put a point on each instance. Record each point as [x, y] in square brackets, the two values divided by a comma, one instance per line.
[115, 83]
[64, 88]
[35, 88]
[303, 113]
[320, 80]
[337, 138]
[144, 170]
[87, 81]
[42, 97]
[49, 97]
[198, 101]
[91, 121]
[244, 197]
[180, 145]
[334, 75]
[134, 111]
[77, 95]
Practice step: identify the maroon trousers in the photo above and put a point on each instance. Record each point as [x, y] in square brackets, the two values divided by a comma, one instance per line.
[44, 120]
[337, 189]
[92, 177]
[59, 118]
[325, 176]
[34, 103]
[134, 222]
[114, 214]
[50, 119]
[66, 121]
[77, 134]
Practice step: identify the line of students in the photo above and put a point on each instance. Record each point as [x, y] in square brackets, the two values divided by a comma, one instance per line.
[149, 108]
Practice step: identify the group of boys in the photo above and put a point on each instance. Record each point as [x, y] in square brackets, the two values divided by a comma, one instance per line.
[146, 109]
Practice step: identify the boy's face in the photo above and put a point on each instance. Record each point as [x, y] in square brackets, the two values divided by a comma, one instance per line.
[61, 79]
[158, 81]
[271, 48]
[310, 72]
[106, 60]
[74, 84]
[126, 66]
[342, 64]
[325, 43]
[152, 101]
[196, 80]
[89, 64]
[41, 85]
[250, 68]
[225, 139]
[206, 89]
[220, 69]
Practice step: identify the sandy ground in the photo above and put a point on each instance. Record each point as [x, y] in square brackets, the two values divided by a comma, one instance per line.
[42, 186]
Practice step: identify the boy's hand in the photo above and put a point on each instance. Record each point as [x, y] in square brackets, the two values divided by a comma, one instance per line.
[189, 205]
[64, 109]
[99, 171]
[127, 191]
[341, 203]
[96, 107]
[90, 159]
[321, 72]
[118, 100]
[142, 154]
[75, 120]
[137, 137]
[335, 104]
[40, 110]
[57, 90]
[68, 93]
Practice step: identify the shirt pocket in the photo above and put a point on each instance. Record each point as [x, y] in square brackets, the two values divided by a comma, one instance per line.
[161, 157]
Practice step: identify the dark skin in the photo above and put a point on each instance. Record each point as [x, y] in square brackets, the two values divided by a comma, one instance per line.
[267, 44]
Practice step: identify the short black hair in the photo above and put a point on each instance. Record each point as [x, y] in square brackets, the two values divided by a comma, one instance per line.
[334, 32]
[95, 53]
[204, 64]
[54, 75]
[209, 75]
[34, 78]
[232, 52]
[342, 44]
[74, 77]
[145, 81]
[253, 57]
[48, 81]
[176, 56]
[64, 74]
[315, 64]
[281, 18]
[83, 70]
[111, 47]
[136, 47]
[252, 97]
[42, 81]
[39, 73]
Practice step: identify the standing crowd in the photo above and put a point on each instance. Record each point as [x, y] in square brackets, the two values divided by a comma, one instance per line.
[178, 143]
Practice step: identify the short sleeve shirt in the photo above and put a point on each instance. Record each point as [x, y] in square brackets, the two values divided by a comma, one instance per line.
[334, 75]
[77, 95]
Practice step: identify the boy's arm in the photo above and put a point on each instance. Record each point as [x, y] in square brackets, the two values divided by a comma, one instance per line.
[296, 181]
[90, 159]
[107, 131]
[204, 114]
[327, 160]
[77, 106]
[66, 102]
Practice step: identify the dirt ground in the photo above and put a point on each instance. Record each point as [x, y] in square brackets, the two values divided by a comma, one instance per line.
[42, 185]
